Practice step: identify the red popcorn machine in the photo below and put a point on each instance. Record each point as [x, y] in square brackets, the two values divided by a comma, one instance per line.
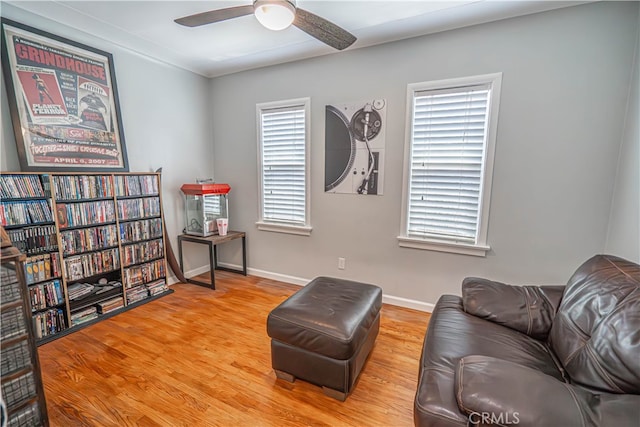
[204, 204]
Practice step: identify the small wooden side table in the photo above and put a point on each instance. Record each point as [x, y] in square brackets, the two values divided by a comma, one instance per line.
[212, 242]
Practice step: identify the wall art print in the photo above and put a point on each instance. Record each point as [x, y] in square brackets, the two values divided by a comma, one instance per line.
[354, 147]
[64, 102]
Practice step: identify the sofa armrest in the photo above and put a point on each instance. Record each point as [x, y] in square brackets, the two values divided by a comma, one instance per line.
[528, 309]
[502, 392]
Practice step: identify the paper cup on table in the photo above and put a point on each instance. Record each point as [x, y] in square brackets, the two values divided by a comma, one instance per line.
[223, 223]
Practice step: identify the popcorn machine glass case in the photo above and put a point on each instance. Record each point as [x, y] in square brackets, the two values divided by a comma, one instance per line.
[204, 203]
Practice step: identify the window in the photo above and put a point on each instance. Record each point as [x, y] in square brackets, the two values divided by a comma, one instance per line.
[283, 138]
[448, 164]
[212, 206]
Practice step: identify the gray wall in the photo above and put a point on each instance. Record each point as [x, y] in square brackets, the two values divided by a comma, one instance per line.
[564, 98]
[623, 238]
[565, 85]
[166, 118]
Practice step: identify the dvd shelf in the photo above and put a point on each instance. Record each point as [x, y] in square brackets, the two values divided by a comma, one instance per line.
[144, 273]
[84, 214]
[91, 264]
[20, 187]
[42, 267]
[34, 240]
[21, 382]
[110, 305]
[136, 231]
[141, 252]
[27, 211]
[88, 239]
[46, 295]
[49, 322]
[84, 295]
[141, 234]
[91, 238]
[80, 187]
[129, 209]
[136, 185]
[24, 212]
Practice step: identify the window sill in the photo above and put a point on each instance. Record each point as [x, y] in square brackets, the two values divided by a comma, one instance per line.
[440, 246]
[300, 230]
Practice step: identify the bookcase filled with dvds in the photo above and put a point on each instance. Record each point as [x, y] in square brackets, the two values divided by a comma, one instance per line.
[94, 244]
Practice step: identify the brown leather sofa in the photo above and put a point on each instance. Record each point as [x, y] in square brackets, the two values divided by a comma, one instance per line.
[536, 355]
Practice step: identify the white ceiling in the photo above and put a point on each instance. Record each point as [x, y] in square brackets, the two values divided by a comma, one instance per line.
[147, 27]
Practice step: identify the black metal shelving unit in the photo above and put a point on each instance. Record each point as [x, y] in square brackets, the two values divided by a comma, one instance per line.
[22, 390]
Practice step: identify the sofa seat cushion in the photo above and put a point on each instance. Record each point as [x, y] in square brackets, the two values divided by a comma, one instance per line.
[453, 334]
[485, 386]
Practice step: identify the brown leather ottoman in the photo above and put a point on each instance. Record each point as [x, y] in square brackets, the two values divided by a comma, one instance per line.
[324, 332]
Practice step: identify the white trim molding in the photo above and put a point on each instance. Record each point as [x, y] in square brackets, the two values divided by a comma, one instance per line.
[300, 230]
[408, 303]
[299, 281]
[450, 247]
[172, 279]
[478, 246]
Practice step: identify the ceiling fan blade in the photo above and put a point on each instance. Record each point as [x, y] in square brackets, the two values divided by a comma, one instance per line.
[214, 16]
[325, 31]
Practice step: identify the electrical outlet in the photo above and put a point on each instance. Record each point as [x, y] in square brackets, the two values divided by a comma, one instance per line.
[341, 263]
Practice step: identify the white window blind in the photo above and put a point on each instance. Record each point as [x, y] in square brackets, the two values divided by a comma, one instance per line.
[283, 146]
[448, 144]
[212, 206]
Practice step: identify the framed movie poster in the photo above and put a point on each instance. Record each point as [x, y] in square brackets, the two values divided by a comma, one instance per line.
[64, 102]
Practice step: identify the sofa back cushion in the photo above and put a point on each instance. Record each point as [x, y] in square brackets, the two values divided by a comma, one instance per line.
[596, 331]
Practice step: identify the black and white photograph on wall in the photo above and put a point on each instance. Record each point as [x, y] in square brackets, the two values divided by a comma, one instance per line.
[354, 147]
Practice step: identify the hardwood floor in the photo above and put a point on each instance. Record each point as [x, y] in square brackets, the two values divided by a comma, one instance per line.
[200, 357]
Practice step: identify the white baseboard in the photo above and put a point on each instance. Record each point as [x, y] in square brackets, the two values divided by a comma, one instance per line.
[299, 281]
[408, 303]
[293, 280]
[171, 279]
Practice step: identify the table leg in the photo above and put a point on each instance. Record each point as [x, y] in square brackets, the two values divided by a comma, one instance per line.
[180, 254]
[212, 265]
[215, 256]
[244, 257]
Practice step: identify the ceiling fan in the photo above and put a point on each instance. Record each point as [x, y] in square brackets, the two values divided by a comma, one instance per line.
[278, 15]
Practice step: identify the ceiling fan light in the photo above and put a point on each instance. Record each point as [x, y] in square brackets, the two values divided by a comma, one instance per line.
[274, 15]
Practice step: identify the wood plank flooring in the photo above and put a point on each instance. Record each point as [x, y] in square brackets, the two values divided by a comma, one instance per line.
[200, 357]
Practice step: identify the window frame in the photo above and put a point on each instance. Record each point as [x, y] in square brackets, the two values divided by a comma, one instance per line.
[266, 224]
[480, 247]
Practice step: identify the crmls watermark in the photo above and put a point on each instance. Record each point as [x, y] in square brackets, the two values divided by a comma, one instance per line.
[500, 418]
